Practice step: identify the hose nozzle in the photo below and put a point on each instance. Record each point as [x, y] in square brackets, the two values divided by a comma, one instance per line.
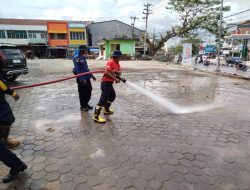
[121, 79]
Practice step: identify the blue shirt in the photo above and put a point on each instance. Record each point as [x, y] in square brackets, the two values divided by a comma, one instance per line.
[81, 66]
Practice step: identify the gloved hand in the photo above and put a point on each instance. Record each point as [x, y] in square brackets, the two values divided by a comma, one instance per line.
[15, 96]
[117, 81]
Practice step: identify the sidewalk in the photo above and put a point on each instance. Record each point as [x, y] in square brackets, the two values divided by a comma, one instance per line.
[225, 70]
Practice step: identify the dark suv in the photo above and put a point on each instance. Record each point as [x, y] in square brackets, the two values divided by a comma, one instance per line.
[232, 61]
[12, 62]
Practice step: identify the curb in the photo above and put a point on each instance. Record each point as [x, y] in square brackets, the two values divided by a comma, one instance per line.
[223, 74]
[213, 72]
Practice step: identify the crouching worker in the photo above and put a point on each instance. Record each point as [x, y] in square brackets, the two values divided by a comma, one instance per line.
[108, 93]
[6, 119]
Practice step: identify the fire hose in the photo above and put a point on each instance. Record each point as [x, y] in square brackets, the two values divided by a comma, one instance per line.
[55, 81]
[63, 79]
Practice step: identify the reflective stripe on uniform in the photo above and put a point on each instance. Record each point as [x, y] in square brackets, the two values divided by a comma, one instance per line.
[3, 87]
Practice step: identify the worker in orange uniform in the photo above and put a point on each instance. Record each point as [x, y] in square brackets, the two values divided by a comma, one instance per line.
[108, 93]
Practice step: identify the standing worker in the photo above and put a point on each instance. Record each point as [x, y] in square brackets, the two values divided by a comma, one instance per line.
[84, 83]
[6, 115]
[6, 119]
[111, 75]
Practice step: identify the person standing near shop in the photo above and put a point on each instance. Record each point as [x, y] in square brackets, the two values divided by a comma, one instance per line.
[83, 82]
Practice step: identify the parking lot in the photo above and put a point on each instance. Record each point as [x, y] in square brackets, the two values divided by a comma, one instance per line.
[173, 128]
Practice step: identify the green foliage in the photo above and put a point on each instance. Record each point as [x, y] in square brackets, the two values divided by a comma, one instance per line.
[176, 49]
[179, 48]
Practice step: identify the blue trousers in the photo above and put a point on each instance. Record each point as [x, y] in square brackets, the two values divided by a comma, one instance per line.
[108, 94]
[84, 92]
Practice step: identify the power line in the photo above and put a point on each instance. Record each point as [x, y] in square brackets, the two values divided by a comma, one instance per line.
[160, 3]
[237, 13]
[159, 7]
[157, 4]
[238, 18]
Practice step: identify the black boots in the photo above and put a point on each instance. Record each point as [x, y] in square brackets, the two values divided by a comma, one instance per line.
[97, 116]
[89, 107]
[14, 173]
[107, 109]
[86, 108]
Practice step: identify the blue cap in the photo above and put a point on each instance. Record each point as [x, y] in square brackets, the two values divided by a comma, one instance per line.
[117, 53]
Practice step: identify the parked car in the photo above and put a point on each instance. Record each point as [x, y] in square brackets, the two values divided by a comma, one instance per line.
[232, 61]
[12, 62]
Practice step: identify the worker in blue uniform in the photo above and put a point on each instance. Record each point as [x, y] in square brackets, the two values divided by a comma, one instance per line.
[6, 119]
[84, 83]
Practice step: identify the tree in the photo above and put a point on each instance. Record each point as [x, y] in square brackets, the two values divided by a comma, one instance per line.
[193, 15]
[176, 49]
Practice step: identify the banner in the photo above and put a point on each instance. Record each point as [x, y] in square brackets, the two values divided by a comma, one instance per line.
[187, 54]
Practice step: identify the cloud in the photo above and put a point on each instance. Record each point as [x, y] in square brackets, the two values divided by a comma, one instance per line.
[100, 10]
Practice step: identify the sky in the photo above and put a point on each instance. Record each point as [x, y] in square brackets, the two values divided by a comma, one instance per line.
[100, 10]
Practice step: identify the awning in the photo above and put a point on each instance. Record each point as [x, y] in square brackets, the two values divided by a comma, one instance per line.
[94, 49]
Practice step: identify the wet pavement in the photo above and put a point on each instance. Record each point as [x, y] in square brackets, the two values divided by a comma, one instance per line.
[143, 145]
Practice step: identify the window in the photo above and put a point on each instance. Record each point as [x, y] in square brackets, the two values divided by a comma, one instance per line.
[115, 47]
[17, 34]
[58, 36]
[13, 53]
[2, 34]
[77, 35]
[62, 36]
[37, 34]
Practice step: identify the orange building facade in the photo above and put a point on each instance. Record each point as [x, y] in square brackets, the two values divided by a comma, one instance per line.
[58, 34]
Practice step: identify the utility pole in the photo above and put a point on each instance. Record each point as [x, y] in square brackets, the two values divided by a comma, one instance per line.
[133, 18]
[220, 31]
[146, 12]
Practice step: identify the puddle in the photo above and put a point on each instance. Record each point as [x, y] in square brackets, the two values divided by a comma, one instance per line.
[69, 118]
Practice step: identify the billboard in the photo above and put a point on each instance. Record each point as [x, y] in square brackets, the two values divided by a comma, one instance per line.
[187, 54]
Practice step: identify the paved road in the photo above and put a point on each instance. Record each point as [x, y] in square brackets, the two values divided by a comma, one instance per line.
[143, 145]
[224, 69]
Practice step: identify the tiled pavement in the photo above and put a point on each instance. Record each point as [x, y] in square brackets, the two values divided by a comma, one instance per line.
[143, 145]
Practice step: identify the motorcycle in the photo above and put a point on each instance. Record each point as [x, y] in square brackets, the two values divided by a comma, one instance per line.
[241, 67]
[207, 62]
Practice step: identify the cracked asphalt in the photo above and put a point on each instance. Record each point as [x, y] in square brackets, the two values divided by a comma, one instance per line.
[143, 145]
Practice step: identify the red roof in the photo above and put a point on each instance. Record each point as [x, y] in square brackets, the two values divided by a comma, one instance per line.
[244, 31]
